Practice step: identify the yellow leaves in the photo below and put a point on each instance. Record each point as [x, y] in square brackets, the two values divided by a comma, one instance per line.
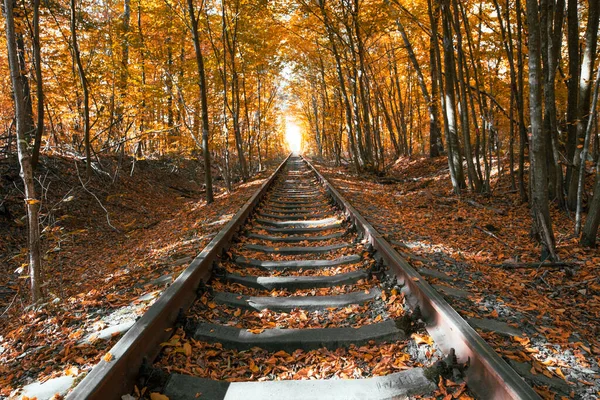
[187, 349]
[549, 361]
[79, 360]
[211, 305]
[253, 366]
[71, 371]
[559, 372]
[422, 339]
[174, 341]
[524, 341]
[212, 353]
[256, 330]
[107, 357]
[32, 201]
[158, 396]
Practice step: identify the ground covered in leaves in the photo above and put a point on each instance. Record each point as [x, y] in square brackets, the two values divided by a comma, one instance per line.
[110, 247]
[472, 243]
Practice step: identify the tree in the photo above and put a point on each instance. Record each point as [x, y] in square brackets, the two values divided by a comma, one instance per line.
[32, 203]
[542, 225]
[203, 100]
[84, 87]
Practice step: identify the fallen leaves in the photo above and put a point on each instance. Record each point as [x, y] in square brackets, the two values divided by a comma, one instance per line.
[422, 339]
[257, 321]
[100, 271]
[216, 362]
[563, 305]
[158, 396]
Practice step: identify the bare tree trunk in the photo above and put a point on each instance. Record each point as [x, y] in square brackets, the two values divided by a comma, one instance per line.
[584, 153]
[142, 111]
[572, 81]
[30, 127]
[85, 89]
[433, 123]
[39, 86]
[542, 224]
[585, 91]
[461, 65]
[551, 23]
[124, 65]
[203, 101]
[454, 153]
[338, 63]
[32, 204]
[521, 103]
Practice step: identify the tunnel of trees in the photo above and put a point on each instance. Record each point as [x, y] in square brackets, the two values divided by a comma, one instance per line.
[499, 87]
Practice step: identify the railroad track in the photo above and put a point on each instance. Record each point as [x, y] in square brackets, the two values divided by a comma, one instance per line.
[299, 287]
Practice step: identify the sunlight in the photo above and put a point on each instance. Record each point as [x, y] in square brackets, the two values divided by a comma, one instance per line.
[293, 136]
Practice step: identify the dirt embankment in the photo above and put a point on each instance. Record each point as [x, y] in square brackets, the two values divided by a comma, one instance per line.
[108, 244]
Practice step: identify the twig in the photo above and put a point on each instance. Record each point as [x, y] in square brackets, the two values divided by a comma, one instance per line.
[476, 204]
[96, 197]
[10, 305]
[492, 235]
[581, 283]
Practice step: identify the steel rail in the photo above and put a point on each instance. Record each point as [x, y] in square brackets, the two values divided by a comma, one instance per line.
[487, 375]
[111, 379]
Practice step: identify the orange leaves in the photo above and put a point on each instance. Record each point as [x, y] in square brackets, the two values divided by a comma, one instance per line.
[451, 390]
[253, 366]
[71, 371]
[422, 339]
[107, 357]
[215, 362]
[158, 396]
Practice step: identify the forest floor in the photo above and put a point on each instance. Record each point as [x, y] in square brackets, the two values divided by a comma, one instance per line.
[102, 268]
[545, 321]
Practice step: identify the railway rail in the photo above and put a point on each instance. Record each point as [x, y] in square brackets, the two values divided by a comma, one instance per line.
[298, 276]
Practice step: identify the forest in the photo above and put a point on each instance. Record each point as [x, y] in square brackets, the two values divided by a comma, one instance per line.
[476, 107]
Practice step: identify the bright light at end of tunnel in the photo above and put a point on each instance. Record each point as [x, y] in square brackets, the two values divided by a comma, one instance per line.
[293, 137]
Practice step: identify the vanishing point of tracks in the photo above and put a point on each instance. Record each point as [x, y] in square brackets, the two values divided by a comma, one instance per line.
[298, 297]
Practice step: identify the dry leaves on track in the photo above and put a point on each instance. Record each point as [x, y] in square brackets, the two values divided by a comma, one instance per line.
[215, 362]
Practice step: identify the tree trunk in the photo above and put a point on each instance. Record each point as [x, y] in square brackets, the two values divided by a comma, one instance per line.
[454, 153]
[464, 113]
[340, 74]
[85, 89]
[586, 144]
[433, 123]
[585, 89]
[203, 101]
[542, 224]
[39, 86]
[521, 103]
[572, 81]
[29, 125]
[32, 204]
